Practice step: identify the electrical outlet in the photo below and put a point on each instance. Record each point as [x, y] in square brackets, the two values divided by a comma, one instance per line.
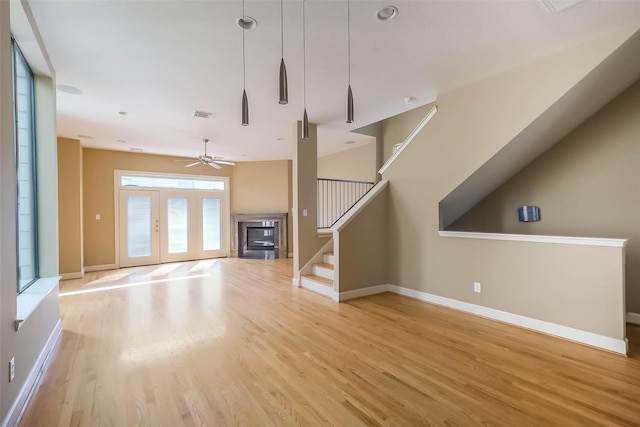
[12, 369]
[477, 287]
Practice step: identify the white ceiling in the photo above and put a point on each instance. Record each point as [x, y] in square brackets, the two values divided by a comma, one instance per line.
[159, 60]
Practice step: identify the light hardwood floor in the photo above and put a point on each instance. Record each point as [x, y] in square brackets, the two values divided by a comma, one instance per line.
[235, 344]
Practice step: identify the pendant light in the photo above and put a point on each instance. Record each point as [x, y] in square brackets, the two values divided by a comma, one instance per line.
[283, 85]
[245, 103]
[305, 119]
[349, 93]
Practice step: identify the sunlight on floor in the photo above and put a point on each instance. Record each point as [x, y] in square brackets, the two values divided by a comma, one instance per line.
[164, 269]
[130, 285]
[203, 265]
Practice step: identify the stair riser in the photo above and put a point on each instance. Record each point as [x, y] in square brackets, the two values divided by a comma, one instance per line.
[329, 259]
[317, 287]
[323, 272]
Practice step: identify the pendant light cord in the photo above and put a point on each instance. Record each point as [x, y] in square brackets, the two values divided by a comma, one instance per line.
[244, 72]
[349, 36]
[281, 30]
[304, 56]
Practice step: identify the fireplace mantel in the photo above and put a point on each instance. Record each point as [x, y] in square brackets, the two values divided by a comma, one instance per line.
[279, 218]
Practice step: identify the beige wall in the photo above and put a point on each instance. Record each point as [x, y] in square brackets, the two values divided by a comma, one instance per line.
[70, 205]
[396, 131]
[473, 123]
[584, 186]
[260, 187]
[356, 164]
[252, 193]
[362, 247]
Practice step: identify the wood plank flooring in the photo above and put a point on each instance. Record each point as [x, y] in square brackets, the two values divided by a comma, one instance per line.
[230, 342]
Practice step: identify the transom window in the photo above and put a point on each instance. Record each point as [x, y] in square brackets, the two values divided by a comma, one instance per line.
[165, 182]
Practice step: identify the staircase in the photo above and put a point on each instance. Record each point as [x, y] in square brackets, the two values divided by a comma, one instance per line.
[321, 280]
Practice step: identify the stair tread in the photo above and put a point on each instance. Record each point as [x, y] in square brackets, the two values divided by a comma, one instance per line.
[329, 253]
[324, 265]
[319, 279]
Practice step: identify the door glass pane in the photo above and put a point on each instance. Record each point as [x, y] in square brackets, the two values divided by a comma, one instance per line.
[139, 227]
[211, 225]
[178, 224]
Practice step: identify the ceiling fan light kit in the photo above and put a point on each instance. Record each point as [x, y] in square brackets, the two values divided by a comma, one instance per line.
[205, 159]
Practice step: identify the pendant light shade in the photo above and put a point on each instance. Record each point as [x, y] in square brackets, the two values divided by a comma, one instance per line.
[349, 105]
[284, 89]
[282, 78]
[245, 109]
[349, 93]
[305, 125]
[245, 102]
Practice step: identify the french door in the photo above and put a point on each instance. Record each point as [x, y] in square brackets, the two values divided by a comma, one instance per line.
[170, 225]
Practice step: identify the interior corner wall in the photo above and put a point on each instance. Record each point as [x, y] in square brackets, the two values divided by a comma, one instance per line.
[356, 164]
[474, 123]
[585, 185]
[70, 206]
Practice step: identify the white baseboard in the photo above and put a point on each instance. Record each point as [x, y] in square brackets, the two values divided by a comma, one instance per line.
[69, 276]
[102, 267]
[295, 282]
[359, 293]
[633, 318]
[33, 379]
[608, 343]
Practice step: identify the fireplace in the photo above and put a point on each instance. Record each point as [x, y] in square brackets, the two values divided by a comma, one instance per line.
[261, 236]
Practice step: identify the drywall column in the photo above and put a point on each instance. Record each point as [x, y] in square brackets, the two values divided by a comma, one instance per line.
[70, 208]
[47, 175]
[305, 222]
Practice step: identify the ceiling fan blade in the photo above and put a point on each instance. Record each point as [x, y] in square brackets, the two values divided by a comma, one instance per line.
[192, 164]
[224, 162]
[213, 165]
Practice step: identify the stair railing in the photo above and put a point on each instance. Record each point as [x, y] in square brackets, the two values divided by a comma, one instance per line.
[336, 197]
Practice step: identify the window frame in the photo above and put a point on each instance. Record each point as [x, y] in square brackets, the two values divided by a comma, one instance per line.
[16, 53]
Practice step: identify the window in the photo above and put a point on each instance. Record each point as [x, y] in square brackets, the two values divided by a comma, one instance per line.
[25, 169]
[164, 182]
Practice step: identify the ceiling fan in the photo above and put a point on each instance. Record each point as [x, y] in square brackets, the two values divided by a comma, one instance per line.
[205, 159]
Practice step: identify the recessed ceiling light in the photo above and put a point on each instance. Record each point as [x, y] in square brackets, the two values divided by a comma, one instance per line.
[85, 136]
[69, 89]
[246, 23]
[121, 140]
[349, 142]
[202, 114]
[409, 99]
[122, 113]
[387, 13]
[137, 150]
